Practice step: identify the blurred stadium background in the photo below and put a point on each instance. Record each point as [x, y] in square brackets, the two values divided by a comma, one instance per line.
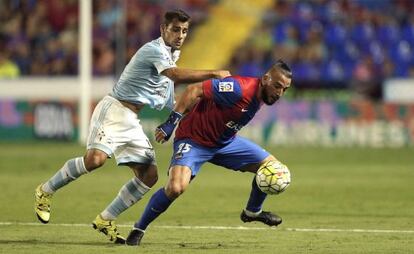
[353, 63]
[346, 129]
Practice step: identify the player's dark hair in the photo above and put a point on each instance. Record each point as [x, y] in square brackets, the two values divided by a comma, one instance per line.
[280, 64]
[180, 15]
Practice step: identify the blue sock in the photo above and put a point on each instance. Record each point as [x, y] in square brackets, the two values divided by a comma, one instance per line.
[256, 199]
[158, 203]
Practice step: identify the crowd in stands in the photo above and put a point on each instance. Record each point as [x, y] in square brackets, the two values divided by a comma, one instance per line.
[40, 37]
[323, 40]
[328, 41]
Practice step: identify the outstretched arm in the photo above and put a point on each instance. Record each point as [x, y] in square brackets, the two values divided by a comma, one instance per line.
[182, 75]
[191, 94]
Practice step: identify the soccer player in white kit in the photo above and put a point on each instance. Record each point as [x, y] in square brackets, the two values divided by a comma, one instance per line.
[115, 129]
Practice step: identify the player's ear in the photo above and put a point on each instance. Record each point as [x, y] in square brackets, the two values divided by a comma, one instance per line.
[162, 29]
[266, 77]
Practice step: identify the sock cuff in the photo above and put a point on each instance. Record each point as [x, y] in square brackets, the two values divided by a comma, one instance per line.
[47, 188]
[140, 185]
[135, 228]
[252, 214]
[80, 165]
[106, 215]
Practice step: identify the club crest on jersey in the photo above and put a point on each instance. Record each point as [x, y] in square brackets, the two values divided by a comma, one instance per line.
[226, 87]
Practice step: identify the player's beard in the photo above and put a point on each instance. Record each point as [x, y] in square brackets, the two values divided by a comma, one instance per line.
[269, 100]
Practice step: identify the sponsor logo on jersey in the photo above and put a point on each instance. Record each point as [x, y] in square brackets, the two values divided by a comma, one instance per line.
[226, 87]
[234, 126]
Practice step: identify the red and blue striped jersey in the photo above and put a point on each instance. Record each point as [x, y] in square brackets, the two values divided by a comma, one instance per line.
[227, 105]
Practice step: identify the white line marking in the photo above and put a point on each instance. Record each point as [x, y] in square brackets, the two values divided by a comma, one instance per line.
[386, 231]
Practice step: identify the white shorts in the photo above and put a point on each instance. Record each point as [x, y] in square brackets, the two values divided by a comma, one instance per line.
[115, 130]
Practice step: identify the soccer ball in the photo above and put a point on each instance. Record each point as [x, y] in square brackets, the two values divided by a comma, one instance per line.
[273, 177]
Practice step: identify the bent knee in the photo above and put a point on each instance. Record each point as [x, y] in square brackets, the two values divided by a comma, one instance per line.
[151, 178]
[153, 173]
[148, 174]
[269, 158]
[94, 159]
[175, 190]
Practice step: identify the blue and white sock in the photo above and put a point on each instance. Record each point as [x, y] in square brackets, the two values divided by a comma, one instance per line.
[129, 194]
[70, 171]
[256, 199]
[158, 204]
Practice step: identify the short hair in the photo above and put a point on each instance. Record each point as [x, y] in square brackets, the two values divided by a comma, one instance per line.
[169, 16]
[280, 64]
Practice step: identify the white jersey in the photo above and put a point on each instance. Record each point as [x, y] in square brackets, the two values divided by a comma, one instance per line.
[141, 82]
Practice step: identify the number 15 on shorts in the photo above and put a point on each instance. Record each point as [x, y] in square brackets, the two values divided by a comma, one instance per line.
[182, 148]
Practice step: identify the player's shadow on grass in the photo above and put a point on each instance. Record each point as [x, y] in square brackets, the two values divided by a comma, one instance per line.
[38, 242]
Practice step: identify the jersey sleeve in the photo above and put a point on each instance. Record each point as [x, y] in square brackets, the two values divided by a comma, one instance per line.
[225, 92]
[161, 60]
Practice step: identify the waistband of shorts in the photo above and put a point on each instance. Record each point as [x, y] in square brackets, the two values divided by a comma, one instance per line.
[136, 108]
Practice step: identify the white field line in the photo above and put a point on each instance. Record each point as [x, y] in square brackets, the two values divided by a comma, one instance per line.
[386, 231]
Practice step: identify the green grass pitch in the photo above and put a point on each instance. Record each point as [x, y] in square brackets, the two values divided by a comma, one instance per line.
[341, 200]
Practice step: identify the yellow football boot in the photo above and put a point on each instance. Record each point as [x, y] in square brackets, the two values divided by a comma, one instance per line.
[42, 204]
[108, 228]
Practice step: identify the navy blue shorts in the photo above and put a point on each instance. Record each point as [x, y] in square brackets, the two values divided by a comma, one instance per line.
[240, 152]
